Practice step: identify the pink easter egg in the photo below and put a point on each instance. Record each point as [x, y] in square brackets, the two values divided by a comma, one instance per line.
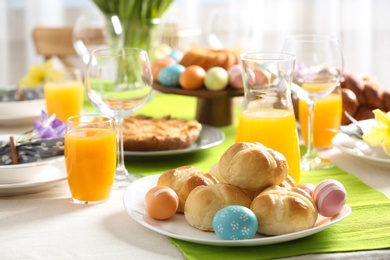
[330, 197]
[235, 76]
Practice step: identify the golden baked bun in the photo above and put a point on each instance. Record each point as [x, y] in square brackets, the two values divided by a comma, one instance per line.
[289, 182]
[208, 58]
[183, 180]
[252, 166]
[205, 201]
[214, 171]
[281, 211]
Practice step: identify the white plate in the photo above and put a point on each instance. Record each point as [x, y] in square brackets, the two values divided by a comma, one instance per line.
[23, 172]
[209, 137]
[360, 149]
[177, 227]
[42, 181]
[21, 112]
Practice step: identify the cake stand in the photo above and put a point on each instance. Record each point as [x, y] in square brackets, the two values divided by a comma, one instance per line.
[214, 108]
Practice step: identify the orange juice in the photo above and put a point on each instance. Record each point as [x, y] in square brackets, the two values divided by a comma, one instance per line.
[275, 129]
[327, 115]
[90, 162]
[65, 98]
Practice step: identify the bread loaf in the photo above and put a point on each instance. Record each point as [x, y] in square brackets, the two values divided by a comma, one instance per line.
[252, 166]
[369, 93]
[183, 180]
[281, 211]
[205, 201]
[208, 58]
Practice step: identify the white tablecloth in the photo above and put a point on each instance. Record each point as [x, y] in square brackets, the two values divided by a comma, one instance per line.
[47, 225]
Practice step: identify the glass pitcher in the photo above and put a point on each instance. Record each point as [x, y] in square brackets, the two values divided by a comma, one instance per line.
[267, 114]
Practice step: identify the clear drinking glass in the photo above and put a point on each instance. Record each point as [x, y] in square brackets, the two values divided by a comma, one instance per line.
[118, 83]
[318, 68]
[90, 156]
[64, 92]
[96, 31]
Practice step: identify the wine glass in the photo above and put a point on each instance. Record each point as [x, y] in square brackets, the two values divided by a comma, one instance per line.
[118, 83]
[317, 72]
[96, 31]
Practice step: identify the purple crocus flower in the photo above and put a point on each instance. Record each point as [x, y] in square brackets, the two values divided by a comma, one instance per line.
[49, 127]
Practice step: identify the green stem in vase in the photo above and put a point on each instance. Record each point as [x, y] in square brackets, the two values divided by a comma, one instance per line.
[140, 19]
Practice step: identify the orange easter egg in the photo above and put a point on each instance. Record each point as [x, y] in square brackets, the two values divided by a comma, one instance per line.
[192, 77]
[161, 202]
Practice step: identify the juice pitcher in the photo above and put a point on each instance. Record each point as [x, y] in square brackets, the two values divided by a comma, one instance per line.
[267, 114]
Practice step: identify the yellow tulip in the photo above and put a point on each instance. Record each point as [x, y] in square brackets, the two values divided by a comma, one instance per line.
[36, 75]
[379, 133]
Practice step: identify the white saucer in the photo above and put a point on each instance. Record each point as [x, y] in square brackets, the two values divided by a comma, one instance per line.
[43, 181]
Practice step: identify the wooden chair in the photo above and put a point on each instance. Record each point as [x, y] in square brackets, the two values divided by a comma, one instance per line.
[55, 42]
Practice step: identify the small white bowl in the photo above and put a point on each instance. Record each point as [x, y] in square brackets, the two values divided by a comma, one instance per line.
[17, 173]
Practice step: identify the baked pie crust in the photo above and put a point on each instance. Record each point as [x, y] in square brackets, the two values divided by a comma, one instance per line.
[144, 133]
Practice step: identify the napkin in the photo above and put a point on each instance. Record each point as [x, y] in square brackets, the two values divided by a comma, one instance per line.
[367, 227]
[32, 151]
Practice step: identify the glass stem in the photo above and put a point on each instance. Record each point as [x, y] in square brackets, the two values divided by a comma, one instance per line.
[121, 170]
[311, 153]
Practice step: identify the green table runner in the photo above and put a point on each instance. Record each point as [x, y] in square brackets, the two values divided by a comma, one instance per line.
[367, 228]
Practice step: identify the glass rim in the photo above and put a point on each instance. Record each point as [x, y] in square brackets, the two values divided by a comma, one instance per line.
[312, 37]
[267, 56]
[91, 116]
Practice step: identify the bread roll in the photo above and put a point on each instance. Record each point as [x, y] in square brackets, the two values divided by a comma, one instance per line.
[183, 180]
[205, 201]
[350, 104]
[214, 171]
[252, 166]
[289, 182]
[281, 211]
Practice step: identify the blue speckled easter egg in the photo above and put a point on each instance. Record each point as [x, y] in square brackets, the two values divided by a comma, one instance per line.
[169, 76]
[235, 223]
[176, 54]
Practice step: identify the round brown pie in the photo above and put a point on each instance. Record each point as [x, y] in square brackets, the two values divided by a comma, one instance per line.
[144, 133]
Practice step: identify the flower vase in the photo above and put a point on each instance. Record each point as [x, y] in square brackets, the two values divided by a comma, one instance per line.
[141, 34]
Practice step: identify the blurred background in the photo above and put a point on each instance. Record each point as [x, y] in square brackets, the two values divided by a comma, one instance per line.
[250, 25]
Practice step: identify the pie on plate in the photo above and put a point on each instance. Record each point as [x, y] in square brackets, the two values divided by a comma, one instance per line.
[145, 133]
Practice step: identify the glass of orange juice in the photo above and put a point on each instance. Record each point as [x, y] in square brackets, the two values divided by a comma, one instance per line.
[267, 114]
[328, 113]
[90, 157]
[64, 93]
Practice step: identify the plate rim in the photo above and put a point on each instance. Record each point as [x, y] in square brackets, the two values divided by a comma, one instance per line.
[61, 175]
[349, 151]
[219, 242]
[182, 151]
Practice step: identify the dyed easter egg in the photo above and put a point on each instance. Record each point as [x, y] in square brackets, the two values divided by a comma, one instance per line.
[192, 77]
[235, 76]
[159, 64]
[169, 76]
[161, 202]
[235, 223]
[217, 78]
[330, 197]
[176, 54]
